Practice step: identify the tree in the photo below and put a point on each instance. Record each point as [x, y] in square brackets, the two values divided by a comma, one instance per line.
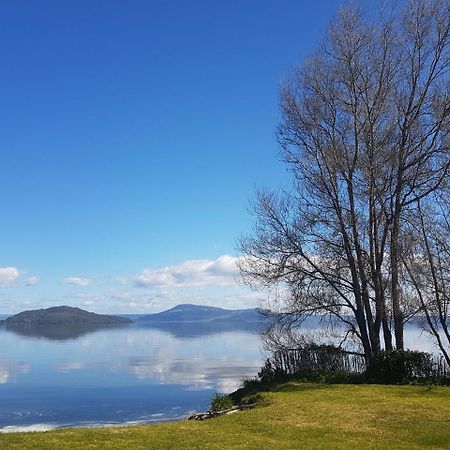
[365, 134]
[427, 263]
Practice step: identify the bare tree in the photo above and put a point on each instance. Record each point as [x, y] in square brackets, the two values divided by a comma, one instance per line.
[365, 133]
[427, 262]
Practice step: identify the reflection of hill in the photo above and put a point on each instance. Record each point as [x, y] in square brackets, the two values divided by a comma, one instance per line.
[58, 332]
[201, 328]
[182, 321]
[192, 320]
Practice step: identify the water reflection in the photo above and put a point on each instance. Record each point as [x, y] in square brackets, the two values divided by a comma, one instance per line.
[70, 366]
[117, 375]
[202, 328]
[10, 369]
[5, 373]
[130, 373]
[222, 374]
[58, 332]
[177, 330]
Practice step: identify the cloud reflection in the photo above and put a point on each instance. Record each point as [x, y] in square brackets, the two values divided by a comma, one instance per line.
[223, 374]
[4, 374]
[70, 366]
[217, 362]
[9, 369]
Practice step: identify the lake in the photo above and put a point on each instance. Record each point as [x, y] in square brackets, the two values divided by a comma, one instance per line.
[123, 375]
[129, 374]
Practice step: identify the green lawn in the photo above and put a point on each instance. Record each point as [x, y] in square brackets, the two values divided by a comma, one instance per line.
[310, 416]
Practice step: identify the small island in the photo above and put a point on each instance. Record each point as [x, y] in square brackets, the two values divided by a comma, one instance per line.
[62, 315]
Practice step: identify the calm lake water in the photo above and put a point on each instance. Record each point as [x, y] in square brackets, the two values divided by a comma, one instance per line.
[123, 375]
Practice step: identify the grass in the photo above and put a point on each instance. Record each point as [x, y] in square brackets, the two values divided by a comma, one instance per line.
[297, 416]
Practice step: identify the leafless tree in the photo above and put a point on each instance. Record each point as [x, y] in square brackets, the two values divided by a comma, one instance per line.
[365, 133]
[427, 263]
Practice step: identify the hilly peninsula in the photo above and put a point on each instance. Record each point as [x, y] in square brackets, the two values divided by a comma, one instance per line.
[63, 315]
[196, 313]
[193, 320]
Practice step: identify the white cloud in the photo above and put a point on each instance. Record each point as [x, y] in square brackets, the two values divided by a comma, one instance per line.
[210, 282]
[192, 273]
[8, 275]
[77, 281]
[32, 281]
[12, 276]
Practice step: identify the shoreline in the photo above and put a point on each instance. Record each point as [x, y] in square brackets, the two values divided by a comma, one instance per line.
[45, 427]
[192, 415]
[295, 415]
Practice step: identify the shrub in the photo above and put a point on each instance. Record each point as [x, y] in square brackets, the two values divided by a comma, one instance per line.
[270, 374]
[253, 399]
[327, 364]
[221, 402]
[343, 377]
[313, 358]
[400, 366]
[248, 387]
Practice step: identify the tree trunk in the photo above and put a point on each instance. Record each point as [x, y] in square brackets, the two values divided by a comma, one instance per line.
[395, 291]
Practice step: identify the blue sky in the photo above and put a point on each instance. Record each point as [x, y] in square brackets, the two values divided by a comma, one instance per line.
[132, 136]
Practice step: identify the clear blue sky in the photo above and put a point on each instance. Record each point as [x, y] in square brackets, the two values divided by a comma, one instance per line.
[132, 135]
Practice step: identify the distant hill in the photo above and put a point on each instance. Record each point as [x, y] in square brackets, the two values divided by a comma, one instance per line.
[193, 321]
[62, 315]
[194, 313]
[64, 322]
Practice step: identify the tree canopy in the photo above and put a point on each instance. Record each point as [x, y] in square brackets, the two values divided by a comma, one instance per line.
[365, 134]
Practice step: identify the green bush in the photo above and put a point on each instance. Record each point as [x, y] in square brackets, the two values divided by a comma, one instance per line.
[400, 367]
[221, 402]
[343, 377]
[393, 367]
[253, 399]
[270, 374]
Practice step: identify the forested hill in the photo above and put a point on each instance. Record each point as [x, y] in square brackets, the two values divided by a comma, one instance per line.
[194, 313]
[63, 315]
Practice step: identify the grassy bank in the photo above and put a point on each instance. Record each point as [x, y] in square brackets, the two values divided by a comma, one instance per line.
[310, 416]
